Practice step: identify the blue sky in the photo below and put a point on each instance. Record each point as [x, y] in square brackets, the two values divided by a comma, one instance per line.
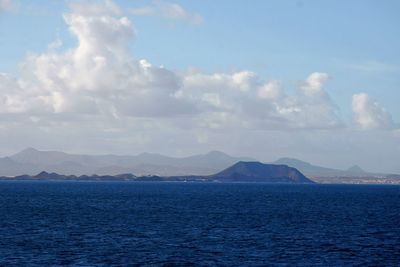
[353, 45]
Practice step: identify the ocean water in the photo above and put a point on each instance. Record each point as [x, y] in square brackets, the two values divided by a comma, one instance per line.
[198, 224]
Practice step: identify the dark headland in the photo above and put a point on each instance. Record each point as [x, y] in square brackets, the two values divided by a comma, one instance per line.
[259, 172]
[239, 172]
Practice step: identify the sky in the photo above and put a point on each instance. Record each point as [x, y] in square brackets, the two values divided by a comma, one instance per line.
[313, 80]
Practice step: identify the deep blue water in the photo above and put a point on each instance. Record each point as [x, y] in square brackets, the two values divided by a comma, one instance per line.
[128, 223]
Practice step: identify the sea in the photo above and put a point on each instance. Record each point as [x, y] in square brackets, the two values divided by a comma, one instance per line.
[198, 224]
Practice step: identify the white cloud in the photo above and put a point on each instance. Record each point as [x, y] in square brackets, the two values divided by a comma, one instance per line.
[271, 90]
[314, 83]
[100, 81]
[242, 98]
[99, 76]
[369, 114]
[167, 10]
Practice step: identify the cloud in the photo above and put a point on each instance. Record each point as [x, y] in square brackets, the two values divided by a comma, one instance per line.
[245, 100]
[167, 10]
[99, 81]
[314, 83]
[271, 90]
[98, 76]
[369, 114]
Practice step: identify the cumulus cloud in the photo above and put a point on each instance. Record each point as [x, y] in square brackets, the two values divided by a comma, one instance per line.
[369, 114]
[244, 99]
[98, 76]
[314, 83]
[270, 90]
[168, 11]
[99, 81]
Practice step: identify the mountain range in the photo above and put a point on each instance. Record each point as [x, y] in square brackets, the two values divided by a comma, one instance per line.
[32, 161]
[315, 171]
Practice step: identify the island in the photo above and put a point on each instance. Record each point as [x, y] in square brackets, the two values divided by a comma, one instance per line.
[242, 171]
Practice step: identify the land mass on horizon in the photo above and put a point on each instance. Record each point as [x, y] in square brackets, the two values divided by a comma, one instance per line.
[239, 172]
[31, 162]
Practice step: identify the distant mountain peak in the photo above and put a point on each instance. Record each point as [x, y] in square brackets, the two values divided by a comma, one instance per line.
[28, 150]
[253, 171]
[355, 169]
[44, 175]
